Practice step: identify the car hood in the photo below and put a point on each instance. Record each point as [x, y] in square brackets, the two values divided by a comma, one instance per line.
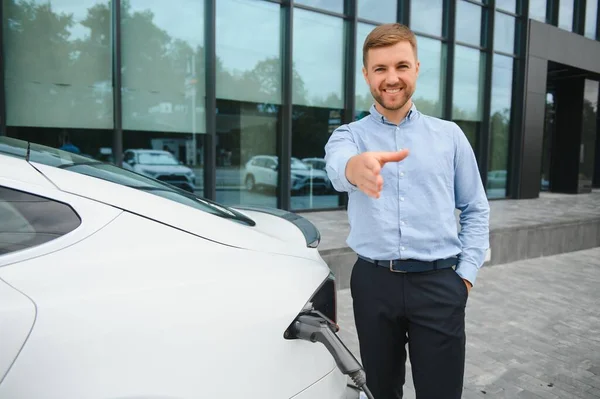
[272, 233]
[171, 169]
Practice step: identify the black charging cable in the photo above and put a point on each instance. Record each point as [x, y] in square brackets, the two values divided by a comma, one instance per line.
[314, 327]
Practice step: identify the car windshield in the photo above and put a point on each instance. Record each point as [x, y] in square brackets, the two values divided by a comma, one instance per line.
[156, 158]
[105, 171]
[298, 164]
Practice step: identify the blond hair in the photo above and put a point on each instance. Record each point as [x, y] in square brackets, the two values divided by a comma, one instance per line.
[388, 35]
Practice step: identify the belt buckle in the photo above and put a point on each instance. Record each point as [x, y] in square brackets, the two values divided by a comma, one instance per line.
[395, 271]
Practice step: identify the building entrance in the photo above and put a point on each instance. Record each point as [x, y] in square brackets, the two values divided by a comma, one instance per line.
[570, 158]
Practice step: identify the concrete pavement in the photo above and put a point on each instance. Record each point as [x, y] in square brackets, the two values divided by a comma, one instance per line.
[533, 329]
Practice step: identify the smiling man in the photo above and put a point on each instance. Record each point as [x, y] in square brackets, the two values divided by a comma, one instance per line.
[405, 174]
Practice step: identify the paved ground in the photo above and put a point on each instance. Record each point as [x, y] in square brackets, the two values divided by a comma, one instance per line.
[533, 329]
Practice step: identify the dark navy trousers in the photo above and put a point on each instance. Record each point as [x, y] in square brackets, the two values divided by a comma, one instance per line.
[424, 310]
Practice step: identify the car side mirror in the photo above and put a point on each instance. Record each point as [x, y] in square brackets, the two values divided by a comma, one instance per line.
[131, 162]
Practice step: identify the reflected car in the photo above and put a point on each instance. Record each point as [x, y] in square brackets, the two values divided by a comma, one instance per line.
[115, 285]
[262, 171]
[316, 163]
[160, 165]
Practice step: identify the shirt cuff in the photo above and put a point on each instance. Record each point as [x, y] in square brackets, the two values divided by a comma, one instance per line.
[467, 272]
[341, 172]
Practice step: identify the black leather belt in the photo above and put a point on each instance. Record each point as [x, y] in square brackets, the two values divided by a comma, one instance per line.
[412, 265]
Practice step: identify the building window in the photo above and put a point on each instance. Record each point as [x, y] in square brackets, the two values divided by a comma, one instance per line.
[329, 5]
[249, 79]
[507, 5]
[429, 94]
[318, 92]
[163, 85]
[362, 94]
[502, 79]
[58, 79]
[378, 10]
[469, 74]
[565, 15]
[504, 33]
[468, 23]
[591, 17]
[537, 10]
[426, 16]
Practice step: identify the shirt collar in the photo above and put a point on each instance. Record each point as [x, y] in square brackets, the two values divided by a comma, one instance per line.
[380, 118]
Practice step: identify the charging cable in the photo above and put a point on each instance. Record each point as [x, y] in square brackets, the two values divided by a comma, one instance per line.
[314, 327]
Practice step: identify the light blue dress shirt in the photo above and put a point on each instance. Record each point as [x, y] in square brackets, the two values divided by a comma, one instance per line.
[414, 218]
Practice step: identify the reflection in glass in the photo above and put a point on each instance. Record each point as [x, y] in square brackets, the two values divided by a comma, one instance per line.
[591, 16]
[92, 143]
[378, 10]
[246, 139]
[57, 60]
[329, 5]
[311, 128]
[318, 60]
[426, 16]
[502, 77]
[537, 10]
[549, 133]
[163, 87]
[504, 33]
[565, 15]
[362, 97]
[507, 5]
[588, 135]
[429, 94]
[469, 72]
[163, 66]
[249, 74]
[248, 46]
[468, 23]
[467, 109]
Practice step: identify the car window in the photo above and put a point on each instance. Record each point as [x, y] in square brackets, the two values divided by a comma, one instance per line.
[114, 174]
[157, 158]
[29, 220]
[298, 164]
[269, 163]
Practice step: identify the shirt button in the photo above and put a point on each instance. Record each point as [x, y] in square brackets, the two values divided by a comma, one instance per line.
[402, 248]
[401, 174]
[401, 198]
[402, 223]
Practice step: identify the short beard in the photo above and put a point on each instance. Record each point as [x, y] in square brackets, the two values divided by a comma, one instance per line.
[380, 101]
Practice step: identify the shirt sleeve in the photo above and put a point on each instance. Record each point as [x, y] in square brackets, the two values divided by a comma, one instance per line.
[338, 151]
[471, 200]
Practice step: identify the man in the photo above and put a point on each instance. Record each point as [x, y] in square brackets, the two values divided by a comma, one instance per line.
[403, 228]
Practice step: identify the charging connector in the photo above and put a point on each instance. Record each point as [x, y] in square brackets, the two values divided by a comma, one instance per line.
[314, 327]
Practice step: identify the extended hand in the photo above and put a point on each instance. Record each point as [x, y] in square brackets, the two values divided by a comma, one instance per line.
[364, 170]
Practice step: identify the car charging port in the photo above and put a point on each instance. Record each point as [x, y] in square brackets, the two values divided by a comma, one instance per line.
[314, 327]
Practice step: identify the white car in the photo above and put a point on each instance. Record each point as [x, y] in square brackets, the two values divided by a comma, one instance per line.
[114, 285]
[262, 171]
[160, 165]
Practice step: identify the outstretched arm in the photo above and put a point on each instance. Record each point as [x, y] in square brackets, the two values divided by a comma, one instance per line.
[349, 170]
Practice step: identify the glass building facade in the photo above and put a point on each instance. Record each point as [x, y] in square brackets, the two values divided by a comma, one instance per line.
[238, 97]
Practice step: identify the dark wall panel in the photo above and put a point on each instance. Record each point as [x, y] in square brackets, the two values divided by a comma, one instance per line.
[537, 73]
[552, 43]
[532, 145]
